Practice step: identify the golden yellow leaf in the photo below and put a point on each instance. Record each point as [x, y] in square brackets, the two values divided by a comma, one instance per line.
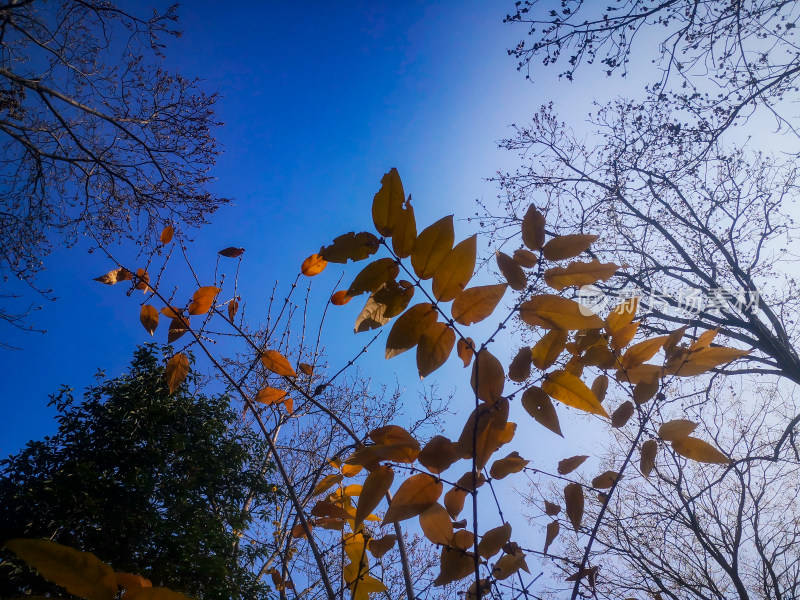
[579, 274]
[648, 457]
[388, 203]
[203, 299]
[552, 533]
[454, 501]
[231, 252]
[554, 312]
[435, 346]
[373, 276]
[415, 495]
[455, 271]
[511, 271]
[621, 315]
[438, 454]
[600, 387]
[676, 429]
[350, 246]
[409, 327]
[673, 339]
[149, 318]
[642, 352]
[270, 395]
[525, 258]
[473, 593]
[386, 302]
[520, 368]
[313, 265]
[488, 378]
[455, 564]
[503, 467]
[549, 347]
[277, 363]
[533, 229]
[703, 360]
[605, 480]
[436, 525]
[493, 540]
[648, 373]
[393, 434]
[700, 451]
[704, 339]
[177, 370]
[166, 234]
[432, 246]
[538, 405]
[327, 483]
[570, 390]
[475, 304]
[623, 413]
[80, 573]
[380, 546]
[568, 465]
[404, 236]
[623, 336]
[509, 564]
[465, 350]
[567, 246]
[375, 487]
[573, 500]
[492, 420]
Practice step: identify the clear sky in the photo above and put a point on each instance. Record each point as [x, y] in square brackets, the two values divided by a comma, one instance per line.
[318, 102]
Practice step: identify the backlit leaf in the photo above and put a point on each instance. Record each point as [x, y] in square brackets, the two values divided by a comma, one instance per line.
[533, 229]
[393, 434]
[623, 336]
[432, 246]
[579, 274]
[520, 368]
[538, 405]
[567, 246]
[313, 265]
[648, 458]
[233, 307]
[80, 573]
[270, 395]
[551, 509]
[549, 347]
[488, 378]
[436, 525]
[676, 429]
[115, 276]
[503, 467]
[142, 280]
[350, 246]
[511, 271]
[409, 327]
[149, 318]
[203, 299]
[600, 387]
[306, 369]
[493, 540]
[375, 487]
[415, 495]
[455, 270]
[570, 390]
[573, 499]
[554, 312]
[491, 425]
[386, 302]
[605, 480]
[231, 252]
[340, 298]
[277, 363]
[373, 276]
[525, 258]
[509, 564]
[435, 346]
[327, 483]
[380, 546]
[551, 535]
[455, 564]
[438, 454]
[177, 328]
[703, 360]
[699, 450]
[177, 370]
[465, 350]
[388, 203]
[404, 236]
[642, 352]
[704, 340]
[454, 501]
[166, 234]
[621, 416]
[621, 315]
[475, 304]
[568, 465]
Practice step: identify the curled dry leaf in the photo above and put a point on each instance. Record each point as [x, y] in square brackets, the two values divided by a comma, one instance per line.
[433, 244]
[142, 280]
[115, 276]
[149, 318]
[386, 302]
[475, 304]
[277, 363]
[231, 252]
[313, 265]
[177, 370]
[648, 458]
[567, 246]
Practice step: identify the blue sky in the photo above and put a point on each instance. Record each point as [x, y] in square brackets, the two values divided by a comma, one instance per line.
[318, 103]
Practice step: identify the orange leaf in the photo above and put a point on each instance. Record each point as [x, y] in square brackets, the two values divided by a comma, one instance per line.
[233, 308]
[177, 370]
[375, 487]
[388, 203]
[488, 378]
[547, 350]
[533, 229]
[567, 246]
[340, 298]
[511, 271]
[270, 395]
[306, 369]
[579, 274]
[436, 525]
[177, 328]
[464, 349]
[435, 346]
[554, 312]
[313, 265]
[408, 328]
[538, 405]
[166, 235]
[149, 318]
[277, 363]
[570, 390]
[621, 315]
[202, 300]
[455, 271]
[432, 246]
[415, 495]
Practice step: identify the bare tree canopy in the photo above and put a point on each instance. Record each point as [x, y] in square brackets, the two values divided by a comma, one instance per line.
[96, 136]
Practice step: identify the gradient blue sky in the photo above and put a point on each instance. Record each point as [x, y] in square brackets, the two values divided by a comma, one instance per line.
[319, 100]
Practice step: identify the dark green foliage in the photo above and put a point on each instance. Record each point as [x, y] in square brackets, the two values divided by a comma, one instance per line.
[152, 483]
